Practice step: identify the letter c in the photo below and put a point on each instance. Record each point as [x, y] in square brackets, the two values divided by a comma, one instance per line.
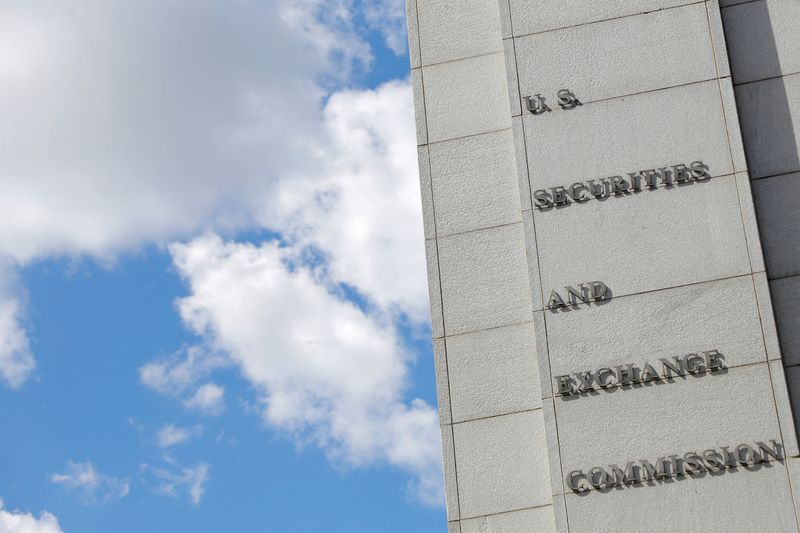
[573, 481]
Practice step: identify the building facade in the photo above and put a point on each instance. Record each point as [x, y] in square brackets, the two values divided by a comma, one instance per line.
[611, 198]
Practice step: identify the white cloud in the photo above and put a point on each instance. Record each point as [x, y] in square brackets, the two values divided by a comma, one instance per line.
[173, 479]
[327, 372]
[16, 360]
[19, 522]
[123, 123]
[177, 373]
[361, 206]
[171, 435]
[208, 399]
[91, 486]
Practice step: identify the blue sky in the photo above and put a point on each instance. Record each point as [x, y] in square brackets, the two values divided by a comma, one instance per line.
[213, 313]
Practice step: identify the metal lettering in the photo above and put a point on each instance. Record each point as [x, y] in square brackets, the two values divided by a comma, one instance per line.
[536, 104]
[673, 367]
[567, 99]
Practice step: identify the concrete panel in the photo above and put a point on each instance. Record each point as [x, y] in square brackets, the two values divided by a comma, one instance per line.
[442, 381]
[769, 112]
[450, 30]
[721, 315]
[467, 97]
[511, 77]
[475, 182]
[493, 372]
[721, 410]
[450, 477]
[502, 464]
[539, 519]
[777, 200]
[426, 192]
[763, 39]
[434, 288]
[738, 501]
[413, 34]
[622, 135]
[618, 57]
[786, 300]
[531, 17]
[420, 120]
[484, 279]
[652, 240]
[522, 163]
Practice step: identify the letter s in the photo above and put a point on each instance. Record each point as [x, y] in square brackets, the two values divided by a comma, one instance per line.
[700, 171]
[543, 198]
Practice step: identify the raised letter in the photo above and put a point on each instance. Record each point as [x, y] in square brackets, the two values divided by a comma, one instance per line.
[682, 173]
[626, 374]
[574, 295]
[565, 385]
[630, 475]
[750, 455]
[602, 377]
[543, 198]
[673, 367]
[555, 301]
[598, 477]
[599, 290]
[776, 452]
[649, 373]
[573, 481]
[575, 191]
[694, 363]
[585, 379]
[560, 196]
[714, 460]
[714, 360]
[618, 185]
[700, 171]
[694, 463]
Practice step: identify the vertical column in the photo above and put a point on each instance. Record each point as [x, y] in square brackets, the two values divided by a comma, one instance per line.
[764, 45]
[644, 187]
[496, 467]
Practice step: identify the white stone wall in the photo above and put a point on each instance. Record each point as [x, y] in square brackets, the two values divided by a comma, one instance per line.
[684, 263]
[763, 39]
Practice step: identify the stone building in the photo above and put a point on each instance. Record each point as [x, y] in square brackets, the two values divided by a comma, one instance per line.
[611, 196]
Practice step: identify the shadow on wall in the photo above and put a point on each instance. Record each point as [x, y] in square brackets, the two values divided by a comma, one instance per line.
[761, 97]
[765, 115]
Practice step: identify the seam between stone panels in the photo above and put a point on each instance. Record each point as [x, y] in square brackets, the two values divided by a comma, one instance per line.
[783, 462]
[610, 19]
[444, 329]
[490, 417]
[468, 136]
[714, 280]
[510, 24]
[508, 512]
[538, 209]
[778, 278]
[780, 431]
[628, 95]
[465, 58]
[585, 102]
[684, 285]
[419, 37]
[733, 166]
[778, 175]
[713, 44]
[687, 378]
[740, 4]
[466, 232]
[525, 322]
[768, 78]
